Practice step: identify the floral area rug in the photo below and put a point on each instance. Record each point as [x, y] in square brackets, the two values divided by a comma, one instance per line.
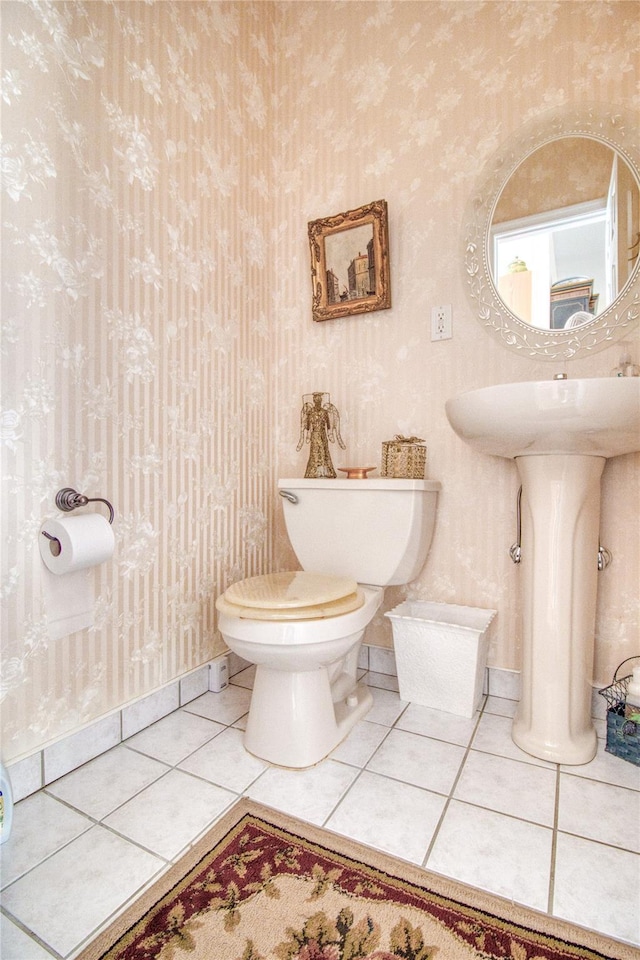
[263, 886]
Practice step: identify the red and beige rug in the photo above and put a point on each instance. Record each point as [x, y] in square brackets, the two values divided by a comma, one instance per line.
[263, 886]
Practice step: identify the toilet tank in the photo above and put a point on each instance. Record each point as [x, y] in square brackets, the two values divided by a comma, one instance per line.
[375, 531]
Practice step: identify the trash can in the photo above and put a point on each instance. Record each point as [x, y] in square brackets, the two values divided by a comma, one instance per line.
[441, 654]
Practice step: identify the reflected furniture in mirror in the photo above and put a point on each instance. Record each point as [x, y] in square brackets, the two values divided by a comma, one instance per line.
[559, 203]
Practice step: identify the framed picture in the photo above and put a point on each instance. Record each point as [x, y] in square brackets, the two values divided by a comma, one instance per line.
[350, 262]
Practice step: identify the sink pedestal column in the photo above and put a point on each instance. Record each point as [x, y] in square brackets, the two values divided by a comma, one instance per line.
[560, 540]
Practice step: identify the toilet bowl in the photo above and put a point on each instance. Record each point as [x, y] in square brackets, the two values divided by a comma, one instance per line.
[303, 629]
[305, 695]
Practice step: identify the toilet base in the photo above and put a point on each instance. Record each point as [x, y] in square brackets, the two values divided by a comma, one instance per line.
[294, 721]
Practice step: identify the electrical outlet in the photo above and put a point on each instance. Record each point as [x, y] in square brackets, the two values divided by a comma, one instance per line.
[441, 323]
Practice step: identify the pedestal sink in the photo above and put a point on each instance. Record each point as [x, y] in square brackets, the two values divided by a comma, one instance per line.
[560, 433]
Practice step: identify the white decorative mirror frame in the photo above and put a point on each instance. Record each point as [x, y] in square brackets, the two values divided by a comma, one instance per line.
[599, 123]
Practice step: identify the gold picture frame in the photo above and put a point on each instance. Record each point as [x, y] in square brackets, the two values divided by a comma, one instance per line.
[350, 271]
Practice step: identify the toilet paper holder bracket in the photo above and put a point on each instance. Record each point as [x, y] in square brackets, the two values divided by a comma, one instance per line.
[55, 546]
[69, 499]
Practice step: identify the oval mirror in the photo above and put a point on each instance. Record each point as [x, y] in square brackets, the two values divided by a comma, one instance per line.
[553, 237]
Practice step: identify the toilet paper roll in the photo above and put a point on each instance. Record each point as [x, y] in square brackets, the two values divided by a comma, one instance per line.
[74, 543]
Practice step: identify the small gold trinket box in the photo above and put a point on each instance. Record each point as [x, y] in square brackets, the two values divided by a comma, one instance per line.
[404, 457]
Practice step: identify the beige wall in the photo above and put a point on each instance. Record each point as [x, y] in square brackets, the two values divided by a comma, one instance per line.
[137, 312]
[562, 173]
[162, 162]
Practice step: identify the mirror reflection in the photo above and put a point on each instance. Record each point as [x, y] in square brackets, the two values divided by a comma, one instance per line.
[565, 233]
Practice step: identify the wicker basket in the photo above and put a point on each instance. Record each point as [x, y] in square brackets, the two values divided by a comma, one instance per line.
[404, 457]
[623, 735]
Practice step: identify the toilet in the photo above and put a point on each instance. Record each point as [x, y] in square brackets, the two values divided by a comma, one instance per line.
[303, 629]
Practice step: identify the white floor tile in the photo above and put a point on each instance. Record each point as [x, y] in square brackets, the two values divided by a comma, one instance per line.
[391, 816]
[245, 677]
[167, 816]
[65, 898]
[494, 736]
[437, 724]
[386, 708]
[382, 680]
[173, 738]
[225, 761]
[16, 945]
[501, 706]
[508, 786]
[224, 707]
[609, 769]
[597, 886]
[362, 742]
[424, 762]
[168, 784]
[600, 811]
[309, 794]
[103, 784]
[497, 853]
[41, 825]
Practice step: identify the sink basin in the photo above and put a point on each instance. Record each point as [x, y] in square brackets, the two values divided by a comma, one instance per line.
[599, 417]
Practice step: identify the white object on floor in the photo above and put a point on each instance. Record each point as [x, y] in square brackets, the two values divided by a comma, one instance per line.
[6, 804]
[441, 654]
[219, 674]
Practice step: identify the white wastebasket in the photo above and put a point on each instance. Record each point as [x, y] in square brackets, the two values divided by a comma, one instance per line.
[441, 654]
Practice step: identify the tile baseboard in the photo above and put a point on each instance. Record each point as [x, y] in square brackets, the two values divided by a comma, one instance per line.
[33, 772]
[41, 768]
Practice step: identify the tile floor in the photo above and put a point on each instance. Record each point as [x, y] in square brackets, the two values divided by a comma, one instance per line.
[453, 795]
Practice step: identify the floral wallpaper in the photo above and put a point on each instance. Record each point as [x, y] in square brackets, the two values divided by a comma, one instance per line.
[160, 162]
[136, 336]
[560, 174]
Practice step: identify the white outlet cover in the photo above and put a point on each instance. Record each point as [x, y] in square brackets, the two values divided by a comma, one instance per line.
[441, 327]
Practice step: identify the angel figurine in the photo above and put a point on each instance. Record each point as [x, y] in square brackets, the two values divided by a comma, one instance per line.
[319, 424]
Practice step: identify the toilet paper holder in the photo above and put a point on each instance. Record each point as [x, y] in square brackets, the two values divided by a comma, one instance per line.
[69, 499]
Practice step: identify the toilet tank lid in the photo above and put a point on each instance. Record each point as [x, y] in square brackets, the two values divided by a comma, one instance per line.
[373, 483]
